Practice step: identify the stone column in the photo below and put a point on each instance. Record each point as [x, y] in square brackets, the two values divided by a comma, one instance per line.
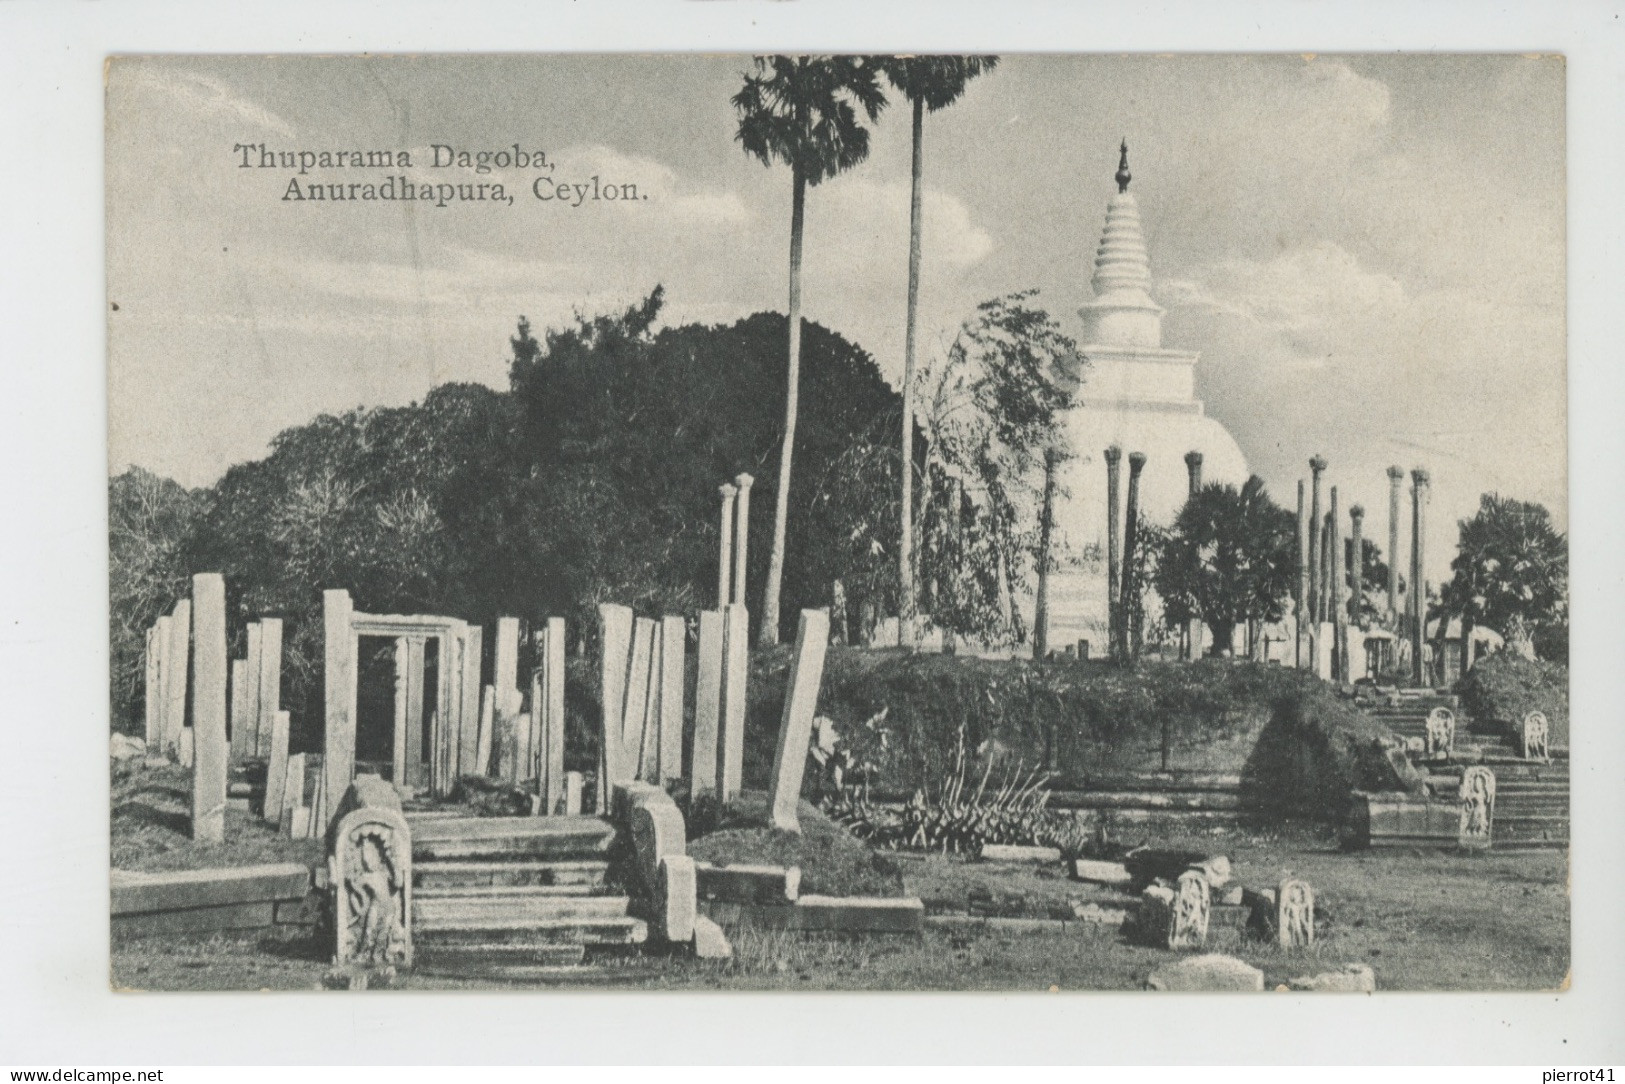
[795, 726]
[673, 668]
[251, 693]
[1300, 615]
[553, 686]
[1334, 593]
[149, 701]
[1130, 606]
[1317, 464]
[339, 692]
[702, 770]
[741, 536]
[1360, 667]
[468, 738]
[615, 649]
[1046, 524]
[412, 747]
[1356, 561]
[180, 649]
[270, 683]
[210, 753]
[1419, 590]
[1193, 628]
[397, 759]
[1395, 476]
[725, 562]
[1114, 566]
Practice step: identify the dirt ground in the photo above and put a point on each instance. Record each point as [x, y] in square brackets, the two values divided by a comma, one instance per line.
[1423, 920]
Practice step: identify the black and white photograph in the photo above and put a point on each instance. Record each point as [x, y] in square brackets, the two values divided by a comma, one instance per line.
[791, 522]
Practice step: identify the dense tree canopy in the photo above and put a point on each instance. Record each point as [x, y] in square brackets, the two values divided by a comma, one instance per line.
[1511, 573]
[594, 478]
[1229, 557]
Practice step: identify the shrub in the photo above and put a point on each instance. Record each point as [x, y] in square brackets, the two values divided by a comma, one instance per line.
[1504, 687]
[1316, 749]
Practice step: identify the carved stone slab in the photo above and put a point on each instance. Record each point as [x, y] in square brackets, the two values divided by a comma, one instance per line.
[1295, 914]
[370, 869]
[1477, 807]
[1536, 736]
[1441, 731]
[1187, 927]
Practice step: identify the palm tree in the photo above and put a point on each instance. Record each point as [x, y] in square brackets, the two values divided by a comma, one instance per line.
[929, 83]
[1511, 573]
[802, 111]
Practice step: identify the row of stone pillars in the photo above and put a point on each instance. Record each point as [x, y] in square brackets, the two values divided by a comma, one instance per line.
[1125, 616]
[1331, 588]
[189, 645]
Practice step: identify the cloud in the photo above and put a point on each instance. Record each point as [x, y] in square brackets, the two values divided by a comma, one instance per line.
[203, 96]
[1308, 296]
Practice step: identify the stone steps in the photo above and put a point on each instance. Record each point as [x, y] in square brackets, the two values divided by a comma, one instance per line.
[584, 877]
[452, 906]
[509, 838]
[515, 898]
[475, 936]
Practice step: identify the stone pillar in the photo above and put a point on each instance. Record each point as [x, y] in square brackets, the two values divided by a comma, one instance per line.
[795, 726]
[1359, 666]
[397, 758]
[468, 738]
[736, 670]
[251, 693]
[1046, 526]
[1129, 608]
[726, 548]
[410, 744]
[210, 753]
[1193, 628]
[1395, 477]
[270, 682]
[615, 646]
[276, 768]
[635, 719]
[673, 666]
[339, 692]
[702, 769]
[1419, 589]
[552, 765]
[1114, 559]
[1334, 592]
[180, 658]
[484, 737]
[1317, 464]
[1356, 560]
[237, 716]
[163, 635]
[741, 536]
[149, 700]
[1300, 615]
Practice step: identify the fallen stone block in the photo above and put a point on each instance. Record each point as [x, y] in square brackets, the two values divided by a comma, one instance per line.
[1212, 971]
[125, 747]
[1114, 874]
[1009, 852]
[135, 892]
[710, 943]
[196, 920]
[748, 884]
[1349, 979]
[859, 914]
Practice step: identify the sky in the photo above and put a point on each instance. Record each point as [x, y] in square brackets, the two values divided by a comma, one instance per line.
[1367, 251]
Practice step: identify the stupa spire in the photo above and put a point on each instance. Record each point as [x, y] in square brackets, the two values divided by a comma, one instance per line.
[1122, 311]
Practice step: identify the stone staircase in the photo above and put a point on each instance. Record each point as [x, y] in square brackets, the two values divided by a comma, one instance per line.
[515, 898]
[1531, 796]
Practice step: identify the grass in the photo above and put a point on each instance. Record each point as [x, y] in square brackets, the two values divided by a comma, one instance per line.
[151, 826]
[1422, 919]
[832, 862]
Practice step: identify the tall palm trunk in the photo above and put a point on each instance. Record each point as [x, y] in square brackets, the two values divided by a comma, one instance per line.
[905, 547]
[768, 634]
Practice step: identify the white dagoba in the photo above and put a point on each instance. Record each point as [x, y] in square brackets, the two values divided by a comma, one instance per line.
[1127, 390]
